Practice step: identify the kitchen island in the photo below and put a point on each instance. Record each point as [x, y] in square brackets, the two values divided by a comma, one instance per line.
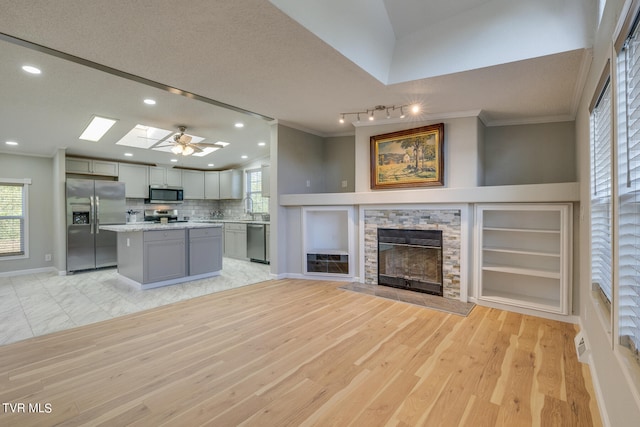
[151, 255]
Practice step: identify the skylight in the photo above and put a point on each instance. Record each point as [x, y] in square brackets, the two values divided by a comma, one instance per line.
[97, 128]
[144, 137]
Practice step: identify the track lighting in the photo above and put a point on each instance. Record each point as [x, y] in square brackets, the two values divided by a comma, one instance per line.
[371, 112]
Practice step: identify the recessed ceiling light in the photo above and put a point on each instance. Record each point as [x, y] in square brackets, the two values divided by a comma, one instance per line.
[128, 154]
[244, 157]
[31, 69]
[97, 128]
[11, 143]
[150, 101]
[415, 109]
[239, 125]
[262, 144]
[174, 160]
[210, 165]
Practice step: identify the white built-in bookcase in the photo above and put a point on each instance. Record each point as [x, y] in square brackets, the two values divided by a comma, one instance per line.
[523, 255]
[328, 240]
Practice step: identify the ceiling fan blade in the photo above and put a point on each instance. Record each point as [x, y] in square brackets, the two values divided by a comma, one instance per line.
[195, 147]
[206, 144]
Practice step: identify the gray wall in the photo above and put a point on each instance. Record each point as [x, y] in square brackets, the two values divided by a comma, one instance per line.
[300, 159]
[339, 161]
[530, 154]
[40, 207]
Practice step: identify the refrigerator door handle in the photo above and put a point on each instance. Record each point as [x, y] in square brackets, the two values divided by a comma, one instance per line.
[97, 222]
[91, 214]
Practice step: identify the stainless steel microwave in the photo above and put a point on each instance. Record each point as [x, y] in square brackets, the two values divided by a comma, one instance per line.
[165, 195]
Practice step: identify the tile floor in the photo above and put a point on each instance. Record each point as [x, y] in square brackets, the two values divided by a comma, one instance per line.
[38, 304]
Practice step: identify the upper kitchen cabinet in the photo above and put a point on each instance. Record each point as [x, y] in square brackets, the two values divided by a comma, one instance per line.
[91, 166]
[193, 184]
[136, 180]
[212, 185]
[266, 181]
[231, 184]
[162, 176]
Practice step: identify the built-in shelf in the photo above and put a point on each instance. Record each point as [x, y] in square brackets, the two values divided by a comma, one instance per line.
[328, 243]
[522, 255]
[528, 193]
[521, 230]
[522, 271]
[520, 252]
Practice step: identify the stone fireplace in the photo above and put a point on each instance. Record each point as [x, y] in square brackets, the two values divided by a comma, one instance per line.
[445, 221]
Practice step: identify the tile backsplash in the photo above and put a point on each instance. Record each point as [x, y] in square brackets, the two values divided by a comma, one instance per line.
[194, 209]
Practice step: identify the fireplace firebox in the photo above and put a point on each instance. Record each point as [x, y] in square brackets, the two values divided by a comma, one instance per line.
[410, 259]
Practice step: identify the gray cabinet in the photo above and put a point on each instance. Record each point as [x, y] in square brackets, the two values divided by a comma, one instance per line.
[212, 185]
[136, 180]
[91, 166]
[205, 254]
[161, 176]
[235, 240]
[164, 255]
[231, 184]
[193, 185]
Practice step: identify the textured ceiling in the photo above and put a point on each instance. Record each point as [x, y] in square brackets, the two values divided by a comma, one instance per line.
[246, 53]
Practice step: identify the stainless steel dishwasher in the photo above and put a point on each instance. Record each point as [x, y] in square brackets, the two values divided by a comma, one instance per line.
[256, 243]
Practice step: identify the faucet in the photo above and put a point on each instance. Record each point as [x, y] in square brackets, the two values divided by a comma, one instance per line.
[247, 201]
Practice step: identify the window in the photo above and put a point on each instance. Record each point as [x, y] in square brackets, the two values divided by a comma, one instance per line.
[601, 195]
[13, 218]
[628, 194]
[259, 204]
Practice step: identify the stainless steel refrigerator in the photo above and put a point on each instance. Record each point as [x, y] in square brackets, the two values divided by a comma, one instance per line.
[91, 204]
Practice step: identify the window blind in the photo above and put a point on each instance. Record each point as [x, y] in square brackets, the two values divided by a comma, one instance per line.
[628, 213]
[601, 194]
[12, 220]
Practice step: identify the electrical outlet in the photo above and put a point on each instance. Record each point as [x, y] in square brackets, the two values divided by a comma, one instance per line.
[47, 257]
[128, 242]
[344, 184]
[308, 183]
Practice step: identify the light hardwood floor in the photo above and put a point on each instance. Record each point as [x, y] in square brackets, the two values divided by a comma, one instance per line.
[293, 352]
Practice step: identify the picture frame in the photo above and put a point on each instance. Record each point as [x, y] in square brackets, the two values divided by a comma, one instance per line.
[408, 158]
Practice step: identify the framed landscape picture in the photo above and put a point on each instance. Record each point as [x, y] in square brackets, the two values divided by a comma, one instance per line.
[408, 158]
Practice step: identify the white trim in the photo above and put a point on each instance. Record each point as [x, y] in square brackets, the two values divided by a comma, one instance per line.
[532, 120]
[594, 379]
[29, 271]
[26, 181]
[144, 286]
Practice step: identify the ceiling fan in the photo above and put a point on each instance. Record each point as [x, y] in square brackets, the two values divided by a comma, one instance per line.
[182, 144]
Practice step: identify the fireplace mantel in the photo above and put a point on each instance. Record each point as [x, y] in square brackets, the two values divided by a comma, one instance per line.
[533, 193]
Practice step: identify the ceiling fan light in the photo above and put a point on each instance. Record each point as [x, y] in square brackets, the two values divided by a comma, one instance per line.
[177, 149]
[187, 151]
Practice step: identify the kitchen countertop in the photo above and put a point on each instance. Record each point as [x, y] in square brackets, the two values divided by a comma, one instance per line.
[152, 226]
[241, 221]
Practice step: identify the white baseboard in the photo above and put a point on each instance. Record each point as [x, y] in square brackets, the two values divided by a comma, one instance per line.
[596, 383]
[29, 271]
